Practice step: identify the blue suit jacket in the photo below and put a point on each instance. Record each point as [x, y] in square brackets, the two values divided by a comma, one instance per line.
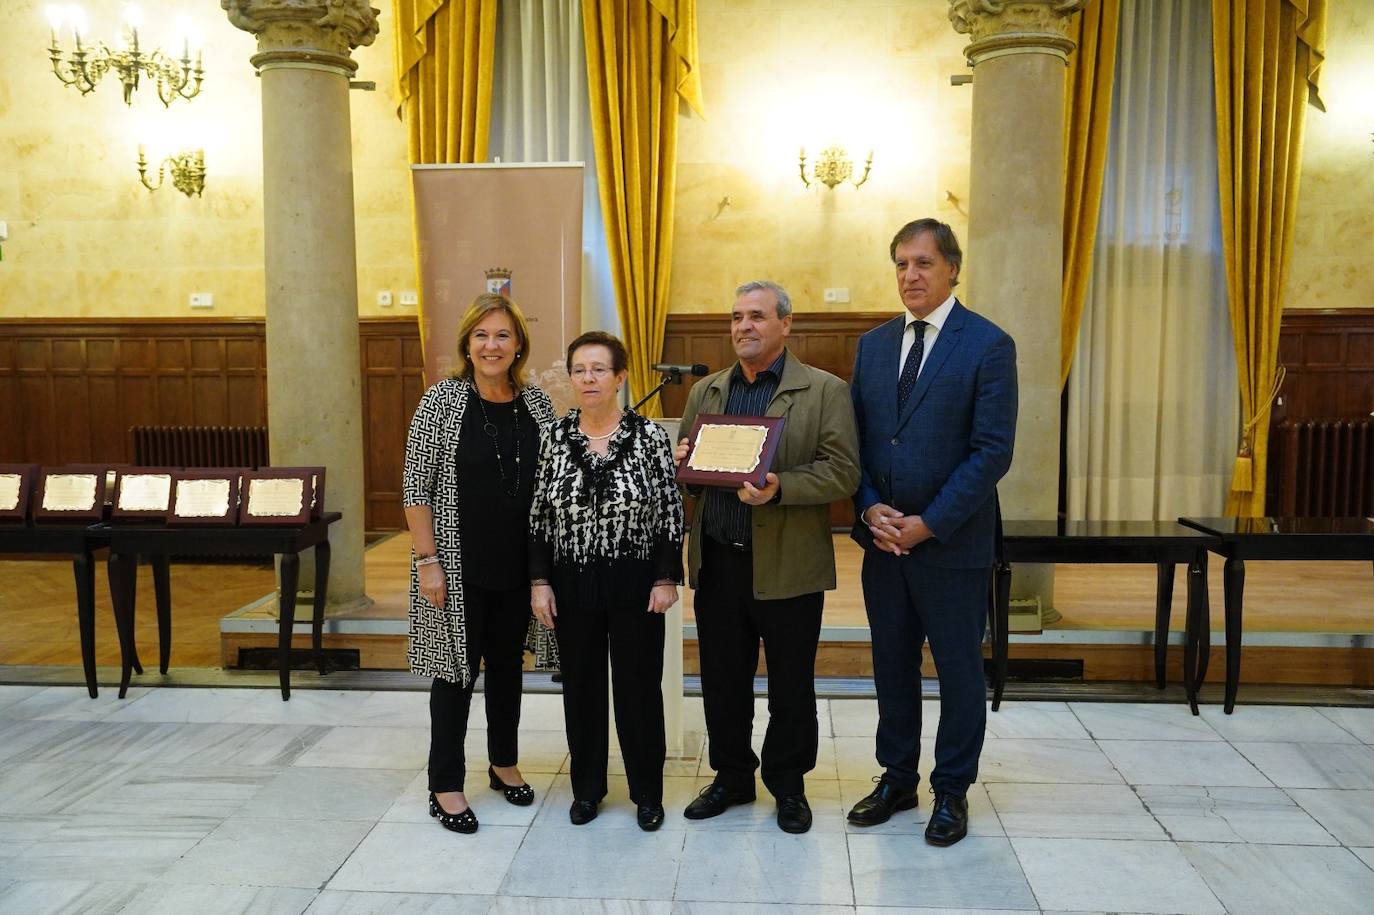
[942, 457]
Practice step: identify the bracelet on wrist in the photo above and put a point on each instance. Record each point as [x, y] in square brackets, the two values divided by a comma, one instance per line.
[537, 582]
[426, 561]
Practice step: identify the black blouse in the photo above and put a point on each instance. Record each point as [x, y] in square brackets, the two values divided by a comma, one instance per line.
[494, 498]
[590, 510]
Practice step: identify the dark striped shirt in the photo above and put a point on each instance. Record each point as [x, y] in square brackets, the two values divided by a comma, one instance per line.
[725, 518]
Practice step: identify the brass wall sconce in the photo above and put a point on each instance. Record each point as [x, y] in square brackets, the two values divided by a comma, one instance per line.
[834, 166]
[89, 62]
[187, 168]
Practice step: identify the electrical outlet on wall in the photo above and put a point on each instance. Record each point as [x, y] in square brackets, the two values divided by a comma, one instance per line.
[838, 295]
[202, 300]
[410, 298]
[384, 298]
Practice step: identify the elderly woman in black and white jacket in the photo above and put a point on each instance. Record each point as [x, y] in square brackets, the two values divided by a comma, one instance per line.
[470, 464]
[605, 562]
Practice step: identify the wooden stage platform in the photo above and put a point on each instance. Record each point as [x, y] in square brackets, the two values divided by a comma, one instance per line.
[1304, 620]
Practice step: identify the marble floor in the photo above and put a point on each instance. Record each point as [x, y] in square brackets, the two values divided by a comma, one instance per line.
[229, 800]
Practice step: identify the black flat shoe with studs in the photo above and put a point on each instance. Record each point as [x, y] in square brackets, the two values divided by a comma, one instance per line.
[465, 822]
[519, 795]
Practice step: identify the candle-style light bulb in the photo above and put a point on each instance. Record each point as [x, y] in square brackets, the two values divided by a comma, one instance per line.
[77, 17]
[54, 13]
[133, 16]
[184, 30]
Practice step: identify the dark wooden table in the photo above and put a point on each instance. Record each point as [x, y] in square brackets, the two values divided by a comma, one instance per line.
[1163, 544]
[1239, 539]
[128, 542]
[79, 542]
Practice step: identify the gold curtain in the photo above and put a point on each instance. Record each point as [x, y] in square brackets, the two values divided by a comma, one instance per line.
[444, 53]
[641, 59]
[1268, 56]
[1087, 123]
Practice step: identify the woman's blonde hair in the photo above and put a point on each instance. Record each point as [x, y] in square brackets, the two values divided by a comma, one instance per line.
[481, 306]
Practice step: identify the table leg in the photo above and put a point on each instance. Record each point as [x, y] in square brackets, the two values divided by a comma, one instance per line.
[321, 593]
[1164, 600]
[123, 569]
[84, 569]
[1196, 630]
[290, 576]
[162, 587]
[1001, 595]
[1233, 581]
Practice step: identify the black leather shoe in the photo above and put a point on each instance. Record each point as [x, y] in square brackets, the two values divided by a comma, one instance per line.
[885, 800]
[794, 813]
[948, 820]
[582, 812]
[519, 795]
[714, 800]
[650, 816]
[465, 822]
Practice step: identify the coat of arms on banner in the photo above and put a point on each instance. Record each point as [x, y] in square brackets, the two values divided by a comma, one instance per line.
[498, 281]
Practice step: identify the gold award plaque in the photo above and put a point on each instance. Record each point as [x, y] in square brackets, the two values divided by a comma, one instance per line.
[202, 499]
[276, 498]
[9, 491]
[728, 448]
[69, 492]
[145, 492]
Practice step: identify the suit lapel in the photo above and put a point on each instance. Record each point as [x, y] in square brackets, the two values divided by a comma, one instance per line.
[945, 344]
[888, 365]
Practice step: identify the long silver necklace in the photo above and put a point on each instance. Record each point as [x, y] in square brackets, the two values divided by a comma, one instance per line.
[489, 427]
[600, 438]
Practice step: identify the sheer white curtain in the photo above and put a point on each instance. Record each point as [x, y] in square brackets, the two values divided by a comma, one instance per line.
[1152, 400]
[540, 113]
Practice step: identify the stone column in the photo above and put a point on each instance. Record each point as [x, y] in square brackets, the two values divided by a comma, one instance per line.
[1019, 52]
[314, 393]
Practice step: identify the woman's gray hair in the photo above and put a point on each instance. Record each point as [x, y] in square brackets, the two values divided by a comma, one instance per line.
[784, 300]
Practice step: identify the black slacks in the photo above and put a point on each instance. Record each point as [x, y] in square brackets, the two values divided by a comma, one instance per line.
[730, 623]
[597, 613]
[496, 622]
[907, 604]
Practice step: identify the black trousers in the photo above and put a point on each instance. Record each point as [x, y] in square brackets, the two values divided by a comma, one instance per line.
[595, 616]
[730, 623]
[496, 624]
[907, 604]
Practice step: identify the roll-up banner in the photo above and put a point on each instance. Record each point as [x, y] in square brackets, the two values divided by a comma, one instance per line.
[514, 229]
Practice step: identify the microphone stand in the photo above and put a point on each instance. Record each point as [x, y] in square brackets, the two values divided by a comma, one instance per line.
[673, 377]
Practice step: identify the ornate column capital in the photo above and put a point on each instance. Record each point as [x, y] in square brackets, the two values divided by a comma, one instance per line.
[1002, 27]
[321, 33]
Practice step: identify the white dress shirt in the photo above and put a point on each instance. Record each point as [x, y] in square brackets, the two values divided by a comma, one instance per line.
[934, 321]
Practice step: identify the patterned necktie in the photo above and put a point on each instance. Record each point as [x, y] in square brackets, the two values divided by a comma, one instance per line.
[907, 383]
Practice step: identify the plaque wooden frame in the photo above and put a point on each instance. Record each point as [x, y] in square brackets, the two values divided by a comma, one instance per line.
[758, 476]
[83, 516]
[230, 516]
[307, 476]
[20, 514]
[126, 514]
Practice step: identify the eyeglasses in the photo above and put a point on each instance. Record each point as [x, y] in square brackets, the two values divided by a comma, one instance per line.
[596, 371]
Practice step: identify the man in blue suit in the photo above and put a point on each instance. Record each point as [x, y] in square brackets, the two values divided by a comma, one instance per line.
[935, 400]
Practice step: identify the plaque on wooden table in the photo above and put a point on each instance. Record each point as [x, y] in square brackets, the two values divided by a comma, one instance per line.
[66, 494]
[111, 472]
[727, 451]
[278, 496]
[142, 494]
[205, 497]
[16, 492]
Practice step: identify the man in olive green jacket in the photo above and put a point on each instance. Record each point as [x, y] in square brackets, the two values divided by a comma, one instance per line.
[761, 559]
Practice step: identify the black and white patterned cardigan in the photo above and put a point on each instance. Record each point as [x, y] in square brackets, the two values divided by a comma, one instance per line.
[589, 508]
[438, 638]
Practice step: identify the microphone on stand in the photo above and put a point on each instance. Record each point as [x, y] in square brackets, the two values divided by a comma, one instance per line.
[672, 374]
[697, 369]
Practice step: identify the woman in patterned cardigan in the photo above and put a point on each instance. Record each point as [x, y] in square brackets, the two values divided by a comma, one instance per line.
[469, 477]
[605, 561]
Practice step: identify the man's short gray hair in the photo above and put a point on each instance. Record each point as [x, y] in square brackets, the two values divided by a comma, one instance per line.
[784, 300]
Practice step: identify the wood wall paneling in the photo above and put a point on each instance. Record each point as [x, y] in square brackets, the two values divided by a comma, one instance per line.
[1328, 355]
